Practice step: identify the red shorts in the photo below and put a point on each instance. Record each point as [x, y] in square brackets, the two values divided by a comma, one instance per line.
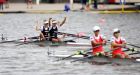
[116, 53]
[97, 50]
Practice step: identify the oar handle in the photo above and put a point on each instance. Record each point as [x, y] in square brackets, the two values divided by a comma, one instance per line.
[133, 45]
[134, 53]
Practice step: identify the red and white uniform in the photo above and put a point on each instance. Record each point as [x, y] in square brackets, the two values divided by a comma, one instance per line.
[98, 39]
[117, 50]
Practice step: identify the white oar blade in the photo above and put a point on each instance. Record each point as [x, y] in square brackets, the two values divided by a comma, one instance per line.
[63, 56]
[138, 60]
[79, 44]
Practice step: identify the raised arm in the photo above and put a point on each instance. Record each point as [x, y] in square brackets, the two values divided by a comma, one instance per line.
[63, 21]
[37, 26]
[50, 21]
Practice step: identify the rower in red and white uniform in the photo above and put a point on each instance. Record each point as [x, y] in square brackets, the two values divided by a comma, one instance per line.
[97, 41]
[117, 43]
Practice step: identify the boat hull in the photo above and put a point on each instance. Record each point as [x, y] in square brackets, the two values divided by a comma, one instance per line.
[99, 60]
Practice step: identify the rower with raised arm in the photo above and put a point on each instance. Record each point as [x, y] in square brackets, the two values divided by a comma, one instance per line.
[97, 42]
[45, 29]
[54, 30]
[117, 43]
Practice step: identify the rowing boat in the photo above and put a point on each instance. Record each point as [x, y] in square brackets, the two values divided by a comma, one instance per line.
[35, 40]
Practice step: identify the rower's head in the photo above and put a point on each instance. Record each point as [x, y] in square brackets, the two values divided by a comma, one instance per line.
[116, 32]
[54, 23]
[96, 30]
[46, 23]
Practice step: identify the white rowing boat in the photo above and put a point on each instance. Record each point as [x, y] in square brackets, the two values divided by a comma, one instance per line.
[99, 59]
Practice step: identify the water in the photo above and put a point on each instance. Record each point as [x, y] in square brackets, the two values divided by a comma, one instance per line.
[31, 59]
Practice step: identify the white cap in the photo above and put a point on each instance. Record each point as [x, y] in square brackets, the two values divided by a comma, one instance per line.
[54, 21]
[116, 30]
[46, 22]
[95, 28]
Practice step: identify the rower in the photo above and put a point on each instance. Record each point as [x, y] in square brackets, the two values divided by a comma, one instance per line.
[117, 43]
[44, 34]
[97, 42]
[54, 30]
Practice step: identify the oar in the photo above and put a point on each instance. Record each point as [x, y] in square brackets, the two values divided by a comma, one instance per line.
[138, 52]
[129, 49]
[86, 57]
[133, 45]
[74, 35]
[77, 53]
[35, 37]
[27, 42]
[134, 53]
